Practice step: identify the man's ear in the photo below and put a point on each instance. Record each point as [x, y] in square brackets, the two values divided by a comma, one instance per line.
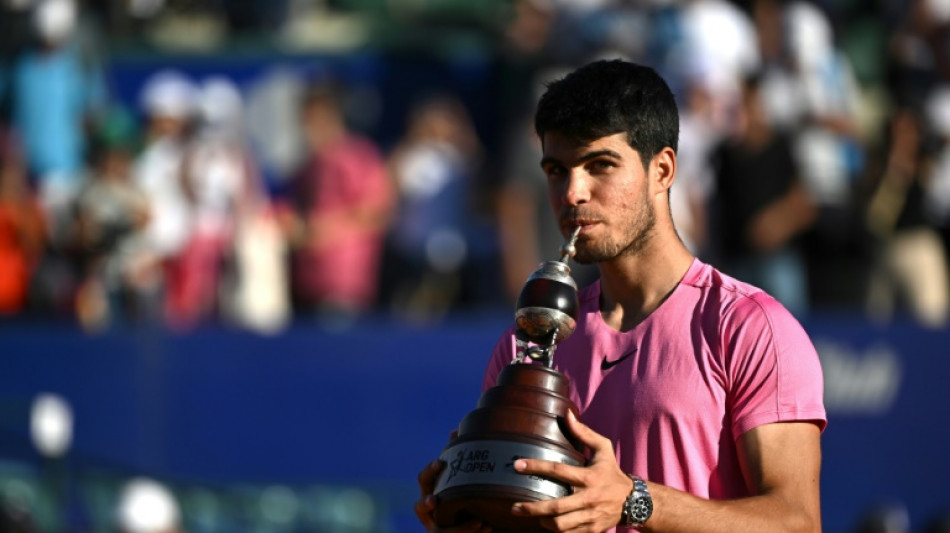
[663, 170]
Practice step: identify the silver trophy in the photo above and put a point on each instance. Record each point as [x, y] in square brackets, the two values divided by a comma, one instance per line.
[523, 415]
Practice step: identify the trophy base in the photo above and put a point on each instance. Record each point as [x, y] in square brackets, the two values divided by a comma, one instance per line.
[479, 482]
[489, 503]
[522, 417]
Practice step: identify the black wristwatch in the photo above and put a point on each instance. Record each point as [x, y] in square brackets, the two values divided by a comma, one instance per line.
[639, 505]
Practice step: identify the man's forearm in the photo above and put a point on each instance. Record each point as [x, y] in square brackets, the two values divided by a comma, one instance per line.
[679, 512]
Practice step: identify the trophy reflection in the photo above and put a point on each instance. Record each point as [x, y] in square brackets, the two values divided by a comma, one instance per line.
[522, 416]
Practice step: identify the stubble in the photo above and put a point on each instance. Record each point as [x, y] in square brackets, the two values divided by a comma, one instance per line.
[637, 232]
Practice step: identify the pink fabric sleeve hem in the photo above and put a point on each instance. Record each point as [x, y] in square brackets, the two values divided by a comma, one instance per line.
[815, 416]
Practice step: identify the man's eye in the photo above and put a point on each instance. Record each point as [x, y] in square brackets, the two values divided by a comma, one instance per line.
[554, 171]
[601, 165]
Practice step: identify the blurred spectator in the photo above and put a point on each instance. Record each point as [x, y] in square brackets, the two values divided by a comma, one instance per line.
[886, 518]
[937, 197]
[829, 142]
[220, 183]
[168, 102]
[147, 506]
[121, 276]
[910, 269]
[524, 52]
[718, 52]
[829, 148]
[342, 202]
[919, 57]
[236, 253]
[548, 20]
[781, 86]
[15, 517]
[22, 231]
[434, 167]
[691, 193]
[272, 109]
[528, 229]
[763, 205]
[527, 32]
[525, 233]
[54, 88]
[257, 289]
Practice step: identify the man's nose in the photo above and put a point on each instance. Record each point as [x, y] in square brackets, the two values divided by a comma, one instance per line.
[576, 188]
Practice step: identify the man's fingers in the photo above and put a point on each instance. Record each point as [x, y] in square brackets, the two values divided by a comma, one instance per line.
[572, 513]
[426, 502]
[424, 507]
[593, 440]
[549, 508]
[572, 475]
[468, 527]
[577, 521]
[428, 477]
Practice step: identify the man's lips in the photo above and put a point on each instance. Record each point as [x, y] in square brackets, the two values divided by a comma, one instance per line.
[569, 224]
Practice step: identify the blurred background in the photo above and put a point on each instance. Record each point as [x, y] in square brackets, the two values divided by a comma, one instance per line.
[254, 254]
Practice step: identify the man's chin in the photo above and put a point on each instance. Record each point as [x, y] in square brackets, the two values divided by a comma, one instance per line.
[587, 258]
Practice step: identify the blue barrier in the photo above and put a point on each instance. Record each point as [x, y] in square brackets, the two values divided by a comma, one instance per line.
[369, 406]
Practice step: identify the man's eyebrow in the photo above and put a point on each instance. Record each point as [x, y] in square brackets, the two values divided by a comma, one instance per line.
[548, 160]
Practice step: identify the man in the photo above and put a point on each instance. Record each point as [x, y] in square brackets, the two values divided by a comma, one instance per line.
[342, 205]
[55, 89]
[702, 388]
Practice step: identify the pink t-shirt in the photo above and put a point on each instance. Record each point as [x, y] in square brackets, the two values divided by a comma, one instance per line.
[719, 357]
[343, 268]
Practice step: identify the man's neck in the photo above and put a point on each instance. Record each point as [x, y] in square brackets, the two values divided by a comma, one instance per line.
[634, 286]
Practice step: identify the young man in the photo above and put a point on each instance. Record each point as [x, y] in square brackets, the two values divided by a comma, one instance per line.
[699, 394]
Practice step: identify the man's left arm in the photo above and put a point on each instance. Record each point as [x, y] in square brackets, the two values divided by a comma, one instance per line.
[781, 463]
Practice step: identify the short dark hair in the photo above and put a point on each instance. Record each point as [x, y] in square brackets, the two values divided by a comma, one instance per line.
[607, 97]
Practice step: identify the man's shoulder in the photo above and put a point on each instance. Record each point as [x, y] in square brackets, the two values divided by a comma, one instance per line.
[732, 298]
[706, 277]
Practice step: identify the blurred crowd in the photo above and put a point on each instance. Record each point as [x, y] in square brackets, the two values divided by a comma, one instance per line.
[139, 504]
[813, 162]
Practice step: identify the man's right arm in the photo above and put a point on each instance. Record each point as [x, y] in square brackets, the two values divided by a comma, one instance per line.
[781, 462]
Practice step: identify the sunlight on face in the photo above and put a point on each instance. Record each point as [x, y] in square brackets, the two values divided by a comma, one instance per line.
[601, 186]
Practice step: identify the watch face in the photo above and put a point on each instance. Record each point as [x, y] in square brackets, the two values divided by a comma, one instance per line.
[641, 509]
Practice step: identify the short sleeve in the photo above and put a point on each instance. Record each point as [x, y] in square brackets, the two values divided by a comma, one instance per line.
[774, 371]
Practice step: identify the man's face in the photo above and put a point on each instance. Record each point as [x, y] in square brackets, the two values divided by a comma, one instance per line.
[603, 187]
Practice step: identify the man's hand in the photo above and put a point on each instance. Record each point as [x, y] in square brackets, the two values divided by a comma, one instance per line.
[425, 505]
[600, 488]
